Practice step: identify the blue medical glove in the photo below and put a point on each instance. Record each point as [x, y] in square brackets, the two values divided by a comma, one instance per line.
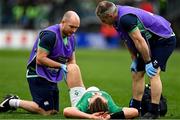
[64, 69]
[151, 70]
[134, 66]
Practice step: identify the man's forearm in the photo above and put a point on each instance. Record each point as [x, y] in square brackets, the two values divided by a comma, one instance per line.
[141, 45]
[48, 62]
[72, 112]
[144, 51]
[133, 55]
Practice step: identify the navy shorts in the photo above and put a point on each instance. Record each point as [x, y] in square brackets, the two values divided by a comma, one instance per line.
[160, 51]
[44, 93]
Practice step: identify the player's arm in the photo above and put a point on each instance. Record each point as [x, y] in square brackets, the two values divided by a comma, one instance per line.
[140, 44]
[73, 112]
[111, 104]
[46, 43]
[42, 59]
[130, 25]
[126, 113]
[117, 112]
[133, 55]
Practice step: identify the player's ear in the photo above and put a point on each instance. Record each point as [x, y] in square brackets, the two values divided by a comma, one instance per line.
[63, 21]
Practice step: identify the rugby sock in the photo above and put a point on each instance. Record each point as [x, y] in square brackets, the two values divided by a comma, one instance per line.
[14, 103]
[135, 104]
[154, 108]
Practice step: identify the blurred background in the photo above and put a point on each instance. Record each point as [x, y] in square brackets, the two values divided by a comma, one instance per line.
[20, 20]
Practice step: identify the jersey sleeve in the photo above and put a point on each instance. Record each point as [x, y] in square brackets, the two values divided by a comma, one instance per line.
[83, 103]
[129, 22]
[83, 106]
[47, 40]
[111, 104]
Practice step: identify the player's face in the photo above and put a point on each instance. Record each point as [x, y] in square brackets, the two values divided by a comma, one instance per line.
[70, 27]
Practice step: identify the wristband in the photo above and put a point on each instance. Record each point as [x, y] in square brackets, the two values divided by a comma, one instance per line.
[118, 115]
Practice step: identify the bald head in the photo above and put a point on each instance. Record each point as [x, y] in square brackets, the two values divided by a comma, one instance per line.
[70, 23]
[71, 15]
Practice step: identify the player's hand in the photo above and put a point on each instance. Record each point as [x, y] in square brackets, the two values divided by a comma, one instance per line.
[134, 66]
[106, 116]
[64, 68]
[97, 115]
[150, 69]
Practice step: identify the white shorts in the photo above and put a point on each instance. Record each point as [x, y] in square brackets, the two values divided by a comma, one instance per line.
[76, 93]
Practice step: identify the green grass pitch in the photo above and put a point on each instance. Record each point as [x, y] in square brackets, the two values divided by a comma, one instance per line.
[106, 69]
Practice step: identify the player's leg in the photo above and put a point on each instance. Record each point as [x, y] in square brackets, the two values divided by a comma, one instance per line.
[30, 106]
[45, 96]
[156, 88]
[161, 51]
[75, 83]
[12, 102]
[138, 83]
[74, 78]
[137, 90]
[34, 108]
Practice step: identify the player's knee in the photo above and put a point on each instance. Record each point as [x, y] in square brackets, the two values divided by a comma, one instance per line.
[156, 76]
[47, 113]
[73, 67]
[51, 112]
[138, 76]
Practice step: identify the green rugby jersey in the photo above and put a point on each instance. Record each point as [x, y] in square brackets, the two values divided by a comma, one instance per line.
[83, 104]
